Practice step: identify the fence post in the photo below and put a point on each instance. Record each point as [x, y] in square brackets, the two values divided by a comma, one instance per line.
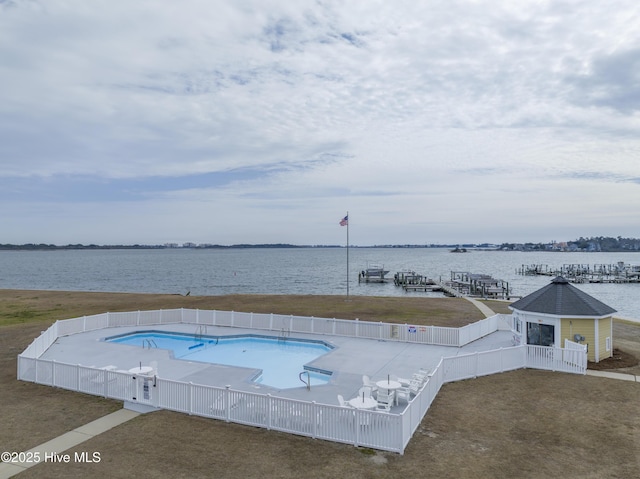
[227, 403]
[314, 414]
[475, 374]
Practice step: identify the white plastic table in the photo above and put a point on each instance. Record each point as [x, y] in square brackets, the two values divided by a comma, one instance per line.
[363, 403]
[141, 370]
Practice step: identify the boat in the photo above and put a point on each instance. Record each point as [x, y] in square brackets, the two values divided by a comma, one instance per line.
[373, 274]
[457, 249]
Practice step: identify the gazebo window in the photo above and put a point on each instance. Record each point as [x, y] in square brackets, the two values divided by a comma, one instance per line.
[540, 334]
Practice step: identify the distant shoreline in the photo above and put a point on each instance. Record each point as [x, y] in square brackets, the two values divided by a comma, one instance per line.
[467, 248]
[46, 247]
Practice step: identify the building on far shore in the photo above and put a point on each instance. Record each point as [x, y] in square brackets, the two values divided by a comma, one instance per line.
[561, 311]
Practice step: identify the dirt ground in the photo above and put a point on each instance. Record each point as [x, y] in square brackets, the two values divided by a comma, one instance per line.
[526, 423]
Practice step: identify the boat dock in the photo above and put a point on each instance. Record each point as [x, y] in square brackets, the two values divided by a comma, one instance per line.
[373, 274]
[585, 273]
[464, 283]
[411, 281]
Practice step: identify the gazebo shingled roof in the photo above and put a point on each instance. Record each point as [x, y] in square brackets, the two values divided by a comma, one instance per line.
[562, 299]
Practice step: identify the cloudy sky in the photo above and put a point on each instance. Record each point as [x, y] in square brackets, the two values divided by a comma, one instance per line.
[265, 121]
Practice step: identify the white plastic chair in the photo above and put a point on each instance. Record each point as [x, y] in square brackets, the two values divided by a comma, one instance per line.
[403, 393]
[365, 391]
[403, 381]
[385, 400]
[366, 381]
[422, 375]
[342, 402]
[414, 386]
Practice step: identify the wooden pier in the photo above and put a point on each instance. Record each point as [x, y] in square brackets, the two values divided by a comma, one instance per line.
[411, 281]
[464, 283]
[585, 273]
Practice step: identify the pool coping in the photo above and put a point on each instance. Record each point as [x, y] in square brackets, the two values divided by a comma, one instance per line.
[307, 367]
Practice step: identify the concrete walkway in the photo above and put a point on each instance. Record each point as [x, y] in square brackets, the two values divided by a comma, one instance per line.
[484, 309]
[612, 375]
[44, 452]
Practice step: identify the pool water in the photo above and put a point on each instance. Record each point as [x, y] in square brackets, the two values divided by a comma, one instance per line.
[281, 361]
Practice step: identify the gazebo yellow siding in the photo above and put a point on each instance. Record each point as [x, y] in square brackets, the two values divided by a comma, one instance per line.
[595, 332]
[584, 327]
[605, 330]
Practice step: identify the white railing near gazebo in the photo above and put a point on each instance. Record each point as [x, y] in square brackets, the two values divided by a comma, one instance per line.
[378, 430]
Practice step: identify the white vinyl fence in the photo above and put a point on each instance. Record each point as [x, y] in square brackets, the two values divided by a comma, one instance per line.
[378, 430]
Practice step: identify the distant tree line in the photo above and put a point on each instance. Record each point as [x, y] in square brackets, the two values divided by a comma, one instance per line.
[43, 246]
[591, 244]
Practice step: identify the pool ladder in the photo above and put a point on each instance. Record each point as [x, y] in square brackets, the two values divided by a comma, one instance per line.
[149, 343]
[284, 334]
[200, 331]
[308, 381]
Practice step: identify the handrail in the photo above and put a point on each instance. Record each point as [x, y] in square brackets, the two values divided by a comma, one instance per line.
[284, 334]
[308, 382]
[201, 330]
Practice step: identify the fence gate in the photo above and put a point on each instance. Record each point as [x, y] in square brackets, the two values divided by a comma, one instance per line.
[145, 391]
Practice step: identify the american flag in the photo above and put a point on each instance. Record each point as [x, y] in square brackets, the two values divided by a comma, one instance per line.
[344, 221]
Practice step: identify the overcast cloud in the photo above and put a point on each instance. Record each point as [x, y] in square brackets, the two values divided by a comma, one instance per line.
[266, 121]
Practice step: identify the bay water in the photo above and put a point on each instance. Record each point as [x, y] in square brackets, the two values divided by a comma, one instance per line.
[319, 271]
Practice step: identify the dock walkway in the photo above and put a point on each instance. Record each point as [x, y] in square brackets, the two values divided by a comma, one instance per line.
[585, 273]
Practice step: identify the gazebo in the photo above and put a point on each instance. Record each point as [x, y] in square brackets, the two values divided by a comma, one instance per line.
[560, 311]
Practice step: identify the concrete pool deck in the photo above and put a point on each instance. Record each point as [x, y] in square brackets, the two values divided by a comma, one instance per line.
[350, 359]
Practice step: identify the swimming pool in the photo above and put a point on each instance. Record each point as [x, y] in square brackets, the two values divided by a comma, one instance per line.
[281, 360]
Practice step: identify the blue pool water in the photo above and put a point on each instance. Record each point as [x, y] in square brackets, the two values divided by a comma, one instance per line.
[281, 361]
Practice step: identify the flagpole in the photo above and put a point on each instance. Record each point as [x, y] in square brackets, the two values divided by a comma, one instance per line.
[345, 222]
[347, 255]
